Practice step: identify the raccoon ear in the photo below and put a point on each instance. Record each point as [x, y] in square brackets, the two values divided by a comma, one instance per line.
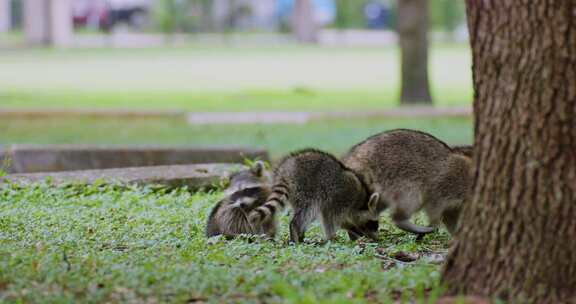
[257, 168]
[373, 202]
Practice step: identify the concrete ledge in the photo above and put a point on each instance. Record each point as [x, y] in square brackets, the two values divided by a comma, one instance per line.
[206, 118]
[88, 113]
[193, 176]
[199, 118]
[54, 158]
[400, 112]
[203, 118]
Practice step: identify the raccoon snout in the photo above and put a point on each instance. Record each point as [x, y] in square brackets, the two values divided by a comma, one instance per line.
[245, 202]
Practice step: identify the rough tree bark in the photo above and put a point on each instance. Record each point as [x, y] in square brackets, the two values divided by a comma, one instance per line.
[304, 26]
[517, 237]
[413, 35]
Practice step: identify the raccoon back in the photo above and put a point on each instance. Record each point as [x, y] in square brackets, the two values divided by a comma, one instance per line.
[399, 156]
[315, 176]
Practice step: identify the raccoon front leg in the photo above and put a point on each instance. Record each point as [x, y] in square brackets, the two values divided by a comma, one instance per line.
[368, 230]
[269, 228]
[354, 234]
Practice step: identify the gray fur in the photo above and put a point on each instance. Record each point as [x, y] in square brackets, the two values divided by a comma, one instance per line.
[466, 150]
[319, 187]
[248, 189]
[411, 171]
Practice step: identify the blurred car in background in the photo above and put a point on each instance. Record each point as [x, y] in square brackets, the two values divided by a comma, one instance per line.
[106, 14]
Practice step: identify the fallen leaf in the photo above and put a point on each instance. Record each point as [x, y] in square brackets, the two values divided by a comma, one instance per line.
[405, 257]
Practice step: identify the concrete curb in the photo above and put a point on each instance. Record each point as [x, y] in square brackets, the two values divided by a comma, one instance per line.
[89, 113]
[54, 158]
[193, 176]
[204, 118]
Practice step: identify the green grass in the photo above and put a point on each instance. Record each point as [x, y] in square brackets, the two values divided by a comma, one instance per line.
[94, 244]
[106, 244]
[224, 79]
[334, 135]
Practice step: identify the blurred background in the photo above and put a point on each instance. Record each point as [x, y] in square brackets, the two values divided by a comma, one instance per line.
[276, 74]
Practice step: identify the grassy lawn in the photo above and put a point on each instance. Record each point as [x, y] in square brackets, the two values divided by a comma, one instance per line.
[224, 79]
[141, 244]
[335, 136]
[94, 244]
[105, 244]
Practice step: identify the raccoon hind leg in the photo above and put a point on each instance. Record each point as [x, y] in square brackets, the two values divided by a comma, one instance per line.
[299, 223]
[404, 205]
[434, 213]
[450, 219]
[402, 221]
[329, 227]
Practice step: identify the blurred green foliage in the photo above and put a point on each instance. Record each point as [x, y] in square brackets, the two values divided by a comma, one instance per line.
[349, 14]
[180, 15]
[176, 15]
[446, 15]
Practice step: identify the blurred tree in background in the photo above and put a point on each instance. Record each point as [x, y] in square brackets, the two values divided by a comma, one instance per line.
[304, 26]
[413, 27]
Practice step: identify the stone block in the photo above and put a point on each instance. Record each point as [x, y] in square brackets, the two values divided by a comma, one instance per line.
[54, 158]
[194, 176]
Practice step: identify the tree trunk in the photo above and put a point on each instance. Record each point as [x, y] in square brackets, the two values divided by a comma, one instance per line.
[304, 26]
[413, 35]
[207, 16]
[517, 237]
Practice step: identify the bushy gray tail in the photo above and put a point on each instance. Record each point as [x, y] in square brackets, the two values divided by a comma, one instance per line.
[276, 202]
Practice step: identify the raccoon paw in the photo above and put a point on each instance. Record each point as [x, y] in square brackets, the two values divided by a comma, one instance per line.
[254, 218]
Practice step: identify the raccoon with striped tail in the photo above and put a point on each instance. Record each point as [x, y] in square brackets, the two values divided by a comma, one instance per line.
[413, 171]
[248, 189]
[319, 187]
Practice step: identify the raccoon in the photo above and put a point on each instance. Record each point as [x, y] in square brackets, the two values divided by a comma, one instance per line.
[464, 150]
[248, 189]
[318, 186]
[413, 170]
